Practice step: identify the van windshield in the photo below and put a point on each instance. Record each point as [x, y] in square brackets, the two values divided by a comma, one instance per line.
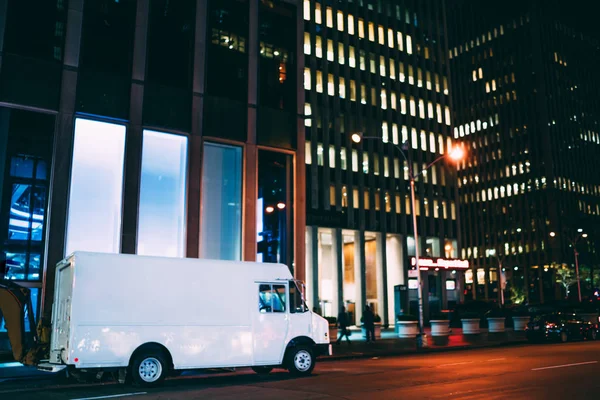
[297, 304]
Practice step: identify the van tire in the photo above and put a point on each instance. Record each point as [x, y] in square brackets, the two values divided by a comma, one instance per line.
[300, 361]
[262, 370]
[149, 368]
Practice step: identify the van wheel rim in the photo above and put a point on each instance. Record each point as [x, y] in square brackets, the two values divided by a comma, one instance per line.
[150, 370]
[302, 361]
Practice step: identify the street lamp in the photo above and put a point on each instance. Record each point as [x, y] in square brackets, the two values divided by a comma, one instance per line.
[456, 154]
[576, 254]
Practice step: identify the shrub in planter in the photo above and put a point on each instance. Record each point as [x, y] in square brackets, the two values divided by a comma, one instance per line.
[520, 319]
[332, 320]
[496, 319]
[440, 325]
[407, 326]
[470, 323]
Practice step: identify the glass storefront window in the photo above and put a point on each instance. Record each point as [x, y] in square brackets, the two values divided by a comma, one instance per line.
[96, 192]
[161, 230]
[221, 231]
[274, 207]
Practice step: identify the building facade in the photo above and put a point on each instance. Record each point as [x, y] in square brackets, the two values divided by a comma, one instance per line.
[150, 127]
[380, 69]
[526, 105]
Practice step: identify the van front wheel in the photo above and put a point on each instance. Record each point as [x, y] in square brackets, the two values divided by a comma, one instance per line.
[300, 361]
[149, 369]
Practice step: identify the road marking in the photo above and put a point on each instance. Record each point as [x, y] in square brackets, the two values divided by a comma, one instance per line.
[112, 396]
[460, 363]
[497, 359]
[565, 365]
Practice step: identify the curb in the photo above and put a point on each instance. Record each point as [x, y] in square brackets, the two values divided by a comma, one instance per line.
[428, 350]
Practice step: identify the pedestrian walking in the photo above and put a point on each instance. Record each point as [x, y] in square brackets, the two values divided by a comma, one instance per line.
[369, 324]
[343, 324]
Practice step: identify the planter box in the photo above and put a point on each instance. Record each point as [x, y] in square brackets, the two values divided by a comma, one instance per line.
[470, 326]
[496, 325]
[440, 327]
[407, 329]
[520, 323]
[377, 331]
[333, 333]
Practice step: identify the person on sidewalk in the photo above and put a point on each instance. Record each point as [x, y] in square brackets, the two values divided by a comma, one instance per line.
[343, 323]
[369, 323]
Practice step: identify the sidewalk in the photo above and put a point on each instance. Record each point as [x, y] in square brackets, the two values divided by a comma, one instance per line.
[388, 345]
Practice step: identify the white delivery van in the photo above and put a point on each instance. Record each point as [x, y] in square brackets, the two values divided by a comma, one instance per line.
[153, 315]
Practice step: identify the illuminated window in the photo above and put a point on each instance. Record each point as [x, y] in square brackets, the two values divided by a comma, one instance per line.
[331, 156]
[381, 35]
[447, 112]
[445, 81]
[480, 70]
[307, 152]
[363, 93]
[340, 21]
[372, 63]
[329, 17]
[351, 57]
[400, 41]
[419, 77]
[409, 44]
[371, 32]
[351, 24]
[390, 38]
[307, 10]
[381, 65]
[474, 76]
[423, 137]
[318, 14]
[493, 85]
[411, 75]
[307, 82]
[430, 114]
[395, 133]
[307, 49]
[428, 80]
[330, 85]
[341, 58]
[487, 87]
[365, 164]
[402, 103]
[404, 134]
[384, 132]
[421, 109]
[431, 142]
[307, 116]
[361, 28]
[415, 140]
[352, 90]
[373, 97]
[393, 100]
[392, 69]
[355, 166]
[319, 47]
[401, 74]
[332, 195]
[319, 82]
[441, 144]
[453, 210]
[329, 50]
[342, 88]
[98, 156]
[384, 99]
[437, 83]
[413, 107]
[363, 62]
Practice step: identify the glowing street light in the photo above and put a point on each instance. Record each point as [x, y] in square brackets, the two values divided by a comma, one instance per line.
[281, 205]
[456, 154]
[552, 234]
[269, 209]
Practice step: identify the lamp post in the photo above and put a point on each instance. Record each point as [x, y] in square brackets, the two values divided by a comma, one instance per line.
[576, 254]
[455, 154]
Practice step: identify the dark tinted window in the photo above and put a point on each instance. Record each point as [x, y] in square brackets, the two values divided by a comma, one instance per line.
[36, 30]
[171, 42]
[227, 51]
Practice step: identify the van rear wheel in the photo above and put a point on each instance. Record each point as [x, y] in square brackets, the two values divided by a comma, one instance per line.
[262, 370]
[300, 361]
[149, 368]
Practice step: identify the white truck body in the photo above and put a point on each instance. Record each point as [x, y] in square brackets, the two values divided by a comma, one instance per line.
[204, 313]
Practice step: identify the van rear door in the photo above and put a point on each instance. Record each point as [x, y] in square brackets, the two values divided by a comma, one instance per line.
[61, 311]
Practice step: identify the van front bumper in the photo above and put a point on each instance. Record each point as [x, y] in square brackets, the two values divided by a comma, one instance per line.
[323, 349]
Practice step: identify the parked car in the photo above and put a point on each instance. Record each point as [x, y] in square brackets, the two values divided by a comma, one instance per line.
[560, 326]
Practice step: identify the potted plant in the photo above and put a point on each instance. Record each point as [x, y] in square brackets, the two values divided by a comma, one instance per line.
[496, 320]
[470, 323]
[408, 326]
[333, 328]
[440, 325]
[520, 319]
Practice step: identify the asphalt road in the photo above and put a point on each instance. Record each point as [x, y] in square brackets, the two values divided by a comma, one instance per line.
[554, 371]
